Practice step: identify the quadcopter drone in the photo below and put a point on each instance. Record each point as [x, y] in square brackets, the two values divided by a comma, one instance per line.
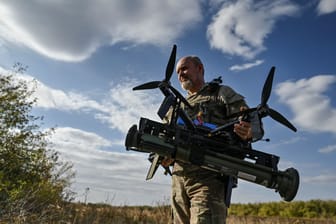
[207, 145]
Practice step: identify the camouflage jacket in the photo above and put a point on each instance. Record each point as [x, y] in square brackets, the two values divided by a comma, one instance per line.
[212, 104]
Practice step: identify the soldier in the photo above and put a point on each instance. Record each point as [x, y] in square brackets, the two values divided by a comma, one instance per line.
[198, 195]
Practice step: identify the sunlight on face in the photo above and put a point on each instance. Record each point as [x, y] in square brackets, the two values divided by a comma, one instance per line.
[190, 74]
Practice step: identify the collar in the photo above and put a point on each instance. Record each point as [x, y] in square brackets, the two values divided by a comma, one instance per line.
[204, 87]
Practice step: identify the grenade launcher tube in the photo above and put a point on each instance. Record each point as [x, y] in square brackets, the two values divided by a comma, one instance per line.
[285, 182]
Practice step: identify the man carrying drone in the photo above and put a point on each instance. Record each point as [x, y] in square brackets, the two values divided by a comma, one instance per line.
[207, 137]
[198, 195]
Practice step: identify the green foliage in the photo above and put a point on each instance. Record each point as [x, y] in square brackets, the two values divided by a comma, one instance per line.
[300, 209]
[32, 177]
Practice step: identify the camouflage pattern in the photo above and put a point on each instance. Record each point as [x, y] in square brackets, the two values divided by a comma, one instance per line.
[198, 194]
[215, 103]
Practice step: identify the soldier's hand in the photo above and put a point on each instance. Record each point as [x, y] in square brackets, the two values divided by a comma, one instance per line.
[243, 128]
[166, 162]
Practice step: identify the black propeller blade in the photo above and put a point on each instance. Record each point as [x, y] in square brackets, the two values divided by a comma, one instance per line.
[171, 64]
[166, 82]
[169, 73]
[263, 108]
[148, 85]
[266, 92]
[281, 119]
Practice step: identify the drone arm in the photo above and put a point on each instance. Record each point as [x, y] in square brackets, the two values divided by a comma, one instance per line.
[167, 103]
[186, 119]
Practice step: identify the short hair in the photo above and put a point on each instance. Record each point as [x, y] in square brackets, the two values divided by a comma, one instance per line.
[194, 59]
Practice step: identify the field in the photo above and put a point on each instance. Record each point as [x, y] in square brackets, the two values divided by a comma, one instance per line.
[276, 220]
[160, 215]
[79, 213]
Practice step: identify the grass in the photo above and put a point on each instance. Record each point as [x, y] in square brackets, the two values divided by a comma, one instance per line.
[275, 220]
[79, 213]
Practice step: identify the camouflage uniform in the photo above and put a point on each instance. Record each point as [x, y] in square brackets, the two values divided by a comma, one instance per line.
[198, 194]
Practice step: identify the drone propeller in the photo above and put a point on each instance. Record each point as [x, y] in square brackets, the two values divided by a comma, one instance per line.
[166, 81]
[263, 108]
[169, 73]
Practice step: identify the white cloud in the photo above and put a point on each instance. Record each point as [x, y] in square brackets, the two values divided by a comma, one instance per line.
[108, 173]
[323, 178]
[72, 31]
[125, 107]
[328, 149]
[246, 66]
[312, 109]
[50, 98]
[120, 109]
[240, 28]
[326, 7]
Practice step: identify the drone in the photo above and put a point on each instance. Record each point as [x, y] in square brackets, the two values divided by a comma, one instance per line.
[209, 146]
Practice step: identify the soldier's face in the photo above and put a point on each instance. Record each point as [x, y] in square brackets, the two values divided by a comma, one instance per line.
[189, 74]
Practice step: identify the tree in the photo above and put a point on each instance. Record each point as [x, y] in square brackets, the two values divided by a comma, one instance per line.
[32, 176]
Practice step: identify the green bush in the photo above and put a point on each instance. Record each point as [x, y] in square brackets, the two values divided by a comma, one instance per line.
[300, 209]
[32, 178]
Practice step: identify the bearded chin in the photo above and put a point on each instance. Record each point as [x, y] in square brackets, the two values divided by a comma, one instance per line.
[186, 85]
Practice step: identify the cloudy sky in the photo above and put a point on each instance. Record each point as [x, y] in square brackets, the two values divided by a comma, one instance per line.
[86, 56]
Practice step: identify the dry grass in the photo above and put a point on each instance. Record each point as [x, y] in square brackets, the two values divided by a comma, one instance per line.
[76, 213]
[160, 214]
[276, 220]
[120, 215]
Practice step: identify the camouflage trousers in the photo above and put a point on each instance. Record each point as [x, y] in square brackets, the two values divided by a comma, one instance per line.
[197, 197]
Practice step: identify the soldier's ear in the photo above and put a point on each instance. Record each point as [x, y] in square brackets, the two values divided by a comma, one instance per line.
[201, 68]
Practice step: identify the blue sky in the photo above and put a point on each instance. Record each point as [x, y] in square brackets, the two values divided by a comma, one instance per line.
[86, 57]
